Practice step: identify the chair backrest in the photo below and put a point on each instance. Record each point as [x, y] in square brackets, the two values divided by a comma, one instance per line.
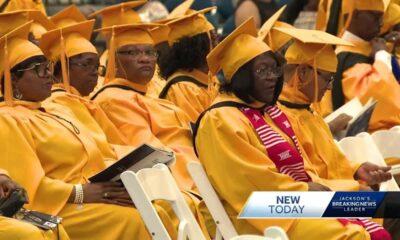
[361, 148]
[210, 197]
[387, 142]
[157, 183]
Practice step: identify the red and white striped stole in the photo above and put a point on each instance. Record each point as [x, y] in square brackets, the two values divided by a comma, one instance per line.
[286, 158]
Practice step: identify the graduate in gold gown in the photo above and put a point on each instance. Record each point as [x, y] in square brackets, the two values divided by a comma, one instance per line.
[365, 69]
[301, 90]
[13, 229]
[75, 74]
[117, 14]
[241, 141]
[185, 67]
[55, 153]
[140, 118]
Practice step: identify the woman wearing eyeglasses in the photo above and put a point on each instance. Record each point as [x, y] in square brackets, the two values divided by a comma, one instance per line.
[75, 76]
[248, 140]
[185, 67]
[309, 74]
[140, 118]
[52, 155]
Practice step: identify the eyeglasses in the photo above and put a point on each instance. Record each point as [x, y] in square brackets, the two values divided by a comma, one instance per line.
[136, 53]
[328, 78]
[88, 66]
[42, 69]
[269, 72]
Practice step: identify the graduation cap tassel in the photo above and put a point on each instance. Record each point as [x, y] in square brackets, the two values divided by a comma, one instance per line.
[110, 71]
[316, 105]
[8, 92]
[64, 67]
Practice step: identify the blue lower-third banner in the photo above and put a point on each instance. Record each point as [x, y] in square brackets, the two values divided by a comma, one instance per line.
[322, 204]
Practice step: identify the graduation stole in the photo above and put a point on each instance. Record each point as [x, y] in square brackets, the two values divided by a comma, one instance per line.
[376, 231]
[289, 160]
[286, 158]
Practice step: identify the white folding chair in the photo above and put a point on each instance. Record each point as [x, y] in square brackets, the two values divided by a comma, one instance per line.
[157, 183]
[361, 148]
[388, 142]
[225, 228]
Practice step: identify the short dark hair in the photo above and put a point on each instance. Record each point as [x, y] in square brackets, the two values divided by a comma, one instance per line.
[242, 82]
[22, 65]
[187, 53]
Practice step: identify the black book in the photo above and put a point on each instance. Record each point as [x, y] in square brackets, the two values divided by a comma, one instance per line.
[144, 156]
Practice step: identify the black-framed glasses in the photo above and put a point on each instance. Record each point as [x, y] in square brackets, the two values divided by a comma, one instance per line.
[136, 53]
[328, 78]
[42, 69]
[269, 72]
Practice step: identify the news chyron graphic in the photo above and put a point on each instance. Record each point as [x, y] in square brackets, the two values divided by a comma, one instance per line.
[322, 204]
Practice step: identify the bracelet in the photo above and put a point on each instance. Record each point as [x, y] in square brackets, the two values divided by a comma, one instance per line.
[78, 194]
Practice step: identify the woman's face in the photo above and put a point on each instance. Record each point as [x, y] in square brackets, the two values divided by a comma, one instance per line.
[136, 62]
[307, 83]
[83, 72]
[35, 83]
[266, 73]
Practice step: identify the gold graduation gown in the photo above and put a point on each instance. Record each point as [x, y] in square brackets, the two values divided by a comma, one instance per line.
[317, 141]
[157, 122]
[237, 164]
[153, 121]
[90, 115]
[191, 98]
[54, 153]
[372, 80]
[156, 84]
[18, 230]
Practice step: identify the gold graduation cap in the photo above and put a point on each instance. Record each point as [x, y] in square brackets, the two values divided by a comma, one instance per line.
[122, 35]
[349, 6]
[181, 10]
[118, 14]
[65, 42]
[273, 38]
[68, 16]
[240, 47]
[15, 49]
[160, 34]
[189, 25]
[314, 48]
[11, 20]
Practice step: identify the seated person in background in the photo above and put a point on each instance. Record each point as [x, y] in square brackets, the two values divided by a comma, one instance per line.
[188, 84]
[142, 119]
[13, 229]
[53, 155]
[365, 69]
[75, 82]
[309, 74]
[245, 137]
